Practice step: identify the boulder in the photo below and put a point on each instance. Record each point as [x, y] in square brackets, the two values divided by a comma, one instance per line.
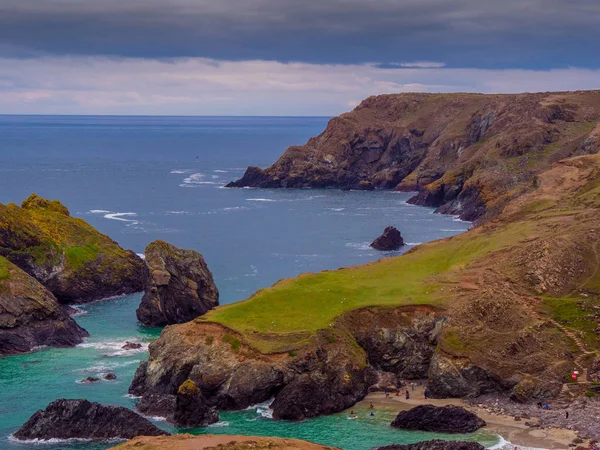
[436, 444]
[69, 257]
[90, 380]
[391, 239]
[444, 419]
[191, 410]
[30, 315]
[179, 286]
[81, 419]
[131, 346]
[110, 376]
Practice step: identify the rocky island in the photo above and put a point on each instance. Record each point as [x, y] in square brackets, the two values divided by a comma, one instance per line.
[179, 286]
[69, 257]
[508, 307]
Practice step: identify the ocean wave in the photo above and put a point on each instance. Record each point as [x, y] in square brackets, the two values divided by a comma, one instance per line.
[120, 217]
[503, 444]
[98, 211]
[169, 213]
[181, 171]
[106, 367]
[116, 347]
[220, 171]
[141, 255]
[263, 409]
[79, 311]
[194, 178]
[260, 200]
[413, 243]
[219, 424]
[234, 208]
[359, 245]
[337, 209]
[131, 396]
[14, 440]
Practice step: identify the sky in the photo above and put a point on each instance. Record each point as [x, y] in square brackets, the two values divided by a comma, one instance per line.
[284, 57]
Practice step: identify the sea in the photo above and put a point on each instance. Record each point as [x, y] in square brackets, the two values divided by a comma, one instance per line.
[138, 179]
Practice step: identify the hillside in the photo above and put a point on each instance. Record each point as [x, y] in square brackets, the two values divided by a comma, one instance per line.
[509, 306]
[69, 257]
[468, 154]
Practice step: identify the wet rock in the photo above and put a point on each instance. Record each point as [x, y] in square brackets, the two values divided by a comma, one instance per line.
[191, 410]
[179, 286]
[435, 444]
[81, 419]
[445, 419]
[110, 376]
[131, 346]
[157, 405]
[90, 380]
[391, 239]
[30, 315]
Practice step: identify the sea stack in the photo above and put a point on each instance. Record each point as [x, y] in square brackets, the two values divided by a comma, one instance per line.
[391, 239]
[178, 288]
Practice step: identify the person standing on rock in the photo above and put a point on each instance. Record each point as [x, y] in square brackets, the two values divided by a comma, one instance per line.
[566, 414]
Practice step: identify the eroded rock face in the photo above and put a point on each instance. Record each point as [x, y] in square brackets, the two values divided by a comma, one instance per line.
[68, 256]
[67, 419]
[191, 410]
[391, 239]
[435, 444]
[179, 286]
[30, 315]
[444, 419]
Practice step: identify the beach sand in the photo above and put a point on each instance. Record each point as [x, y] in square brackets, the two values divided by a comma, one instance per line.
[515, 432]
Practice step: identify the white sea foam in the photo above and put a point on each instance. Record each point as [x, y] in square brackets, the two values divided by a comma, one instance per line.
[98, 211]
[234, 208]
[79, 311]
[181, 171]
[452, 230]
[413, 243]
[106, 367]
[263, 409]
[219, 424]
[193, 178]
[120, 217]
[141, 255]
[55, 441]
[253, 271]
[503, 444]
[115, 348]
[176, 212]
[337, 209]
[131, 396]
[220, 171]
[260, 200]
[359, 245]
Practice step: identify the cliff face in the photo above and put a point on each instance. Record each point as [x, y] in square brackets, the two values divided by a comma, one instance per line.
[179, 286]
[468, 154]
[68, 256]
[30, 315]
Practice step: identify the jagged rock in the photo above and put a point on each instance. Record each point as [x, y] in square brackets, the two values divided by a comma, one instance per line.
[158, 406]
[594, 370]
[110, 376]
[30, 315]
[81, 419]
[444, 419]
[191, 410]
[131, 345]
[391, 239]
[69, 257]
[179, 286]
[435, 444]
[90, 380]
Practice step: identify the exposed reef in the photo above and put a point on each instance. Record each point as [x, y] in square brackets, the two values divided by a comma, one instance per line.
[391, 239]
[178, 286]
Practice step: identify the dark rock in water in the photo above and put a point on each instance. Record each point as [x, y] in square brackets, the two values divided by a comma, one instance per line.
[444, 419]
[389, 240]
[30, 315]
[435, 444]
[68, 419]
[191, 410]
[254, 176]
[179, 286]
[131, 346]
[110, 376]
[90, 380]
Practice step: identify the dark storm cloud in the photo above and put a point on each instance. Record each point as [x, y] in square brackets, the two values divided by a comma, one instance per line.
[475, 33]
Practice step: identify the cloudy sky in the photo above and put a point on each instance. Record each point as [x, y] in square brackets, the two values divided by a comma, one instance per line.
[284, 57]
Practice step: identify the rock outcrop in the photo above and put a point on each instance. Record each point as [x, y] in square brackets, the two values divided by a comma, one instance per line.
[221, 442]
[179, 286]
[391, 239]
[191, 410]
[438, 419]
[30, 315]
[435, 444]
[81, 419]
[68, 256]
[456, 149]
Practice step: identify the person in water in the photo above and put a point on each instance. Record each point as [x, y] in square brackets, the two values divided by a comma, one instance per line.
[372, 414]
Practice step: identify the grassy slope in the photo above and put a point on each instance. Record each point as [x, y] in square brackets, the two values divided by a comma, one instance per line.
[278, 316]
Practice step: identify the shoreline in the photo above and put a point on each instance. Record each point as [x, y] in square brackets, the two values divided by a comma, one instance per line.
[514, 432]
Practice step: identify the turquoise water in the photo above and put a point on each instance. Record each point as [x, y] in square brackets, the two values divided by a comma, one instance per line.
[31, 381]
[138, 179]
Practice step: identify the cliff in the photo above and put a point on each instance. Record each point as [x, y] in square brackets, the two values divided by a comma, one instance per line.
[68, 256]
[30, 315]
[467, 154]
[509, 306]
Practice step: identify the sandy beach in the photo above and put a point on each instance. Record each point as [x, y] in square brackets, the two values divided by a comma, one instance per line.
[515, 432]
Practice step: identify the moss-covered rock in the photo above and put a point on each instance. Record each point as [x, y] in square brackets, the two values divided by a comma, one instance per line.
[72, 259]
[179, 286]
[30, 315]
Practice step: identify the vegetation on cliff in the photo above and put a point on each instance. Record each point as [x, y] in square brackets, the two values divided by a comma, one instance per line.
[469, 154]
[67, 255]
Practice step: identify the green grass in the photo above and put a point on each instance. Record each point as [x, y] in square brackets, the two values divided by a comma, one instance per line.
[4, 269]
[79, 255]
[312, 301]
[567, 312]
